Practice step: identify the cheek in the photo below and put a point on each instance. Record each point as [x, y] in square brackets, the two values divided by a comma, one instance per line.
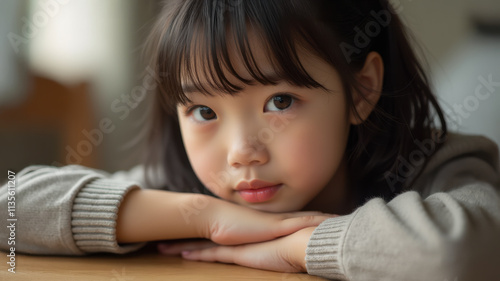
[199, 159]
[207, 161]
[312, 151]
[313, 156]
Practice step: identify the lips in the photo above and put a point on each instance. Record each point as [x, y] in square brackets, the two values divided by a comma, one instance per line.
[257, 191]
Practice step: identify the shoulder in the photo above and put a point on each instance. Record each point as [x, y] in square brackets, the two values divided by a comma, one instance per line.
[457, 146]
[461, 159]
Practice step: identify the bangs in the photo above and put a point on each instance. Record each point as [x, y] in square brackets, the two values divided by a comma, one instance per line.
[197, 52]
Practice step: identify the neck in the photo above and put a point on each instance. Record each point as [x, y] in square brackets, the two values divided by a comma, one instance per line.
[338, 196]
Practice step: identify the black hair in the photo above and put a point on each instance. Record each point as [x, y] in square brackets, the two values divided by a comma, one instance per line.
[192, 35]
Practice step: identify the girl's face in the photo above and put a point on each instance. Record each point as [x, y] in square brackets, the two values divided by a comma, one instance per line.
[269, 147]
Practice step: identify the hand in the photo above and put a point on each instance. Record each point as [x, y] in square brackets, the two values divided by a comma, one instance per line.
[226, 223]
[285, 254]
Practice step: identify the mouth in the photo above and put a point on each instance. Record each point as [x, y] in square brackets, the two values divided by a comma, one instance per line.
[257, 191]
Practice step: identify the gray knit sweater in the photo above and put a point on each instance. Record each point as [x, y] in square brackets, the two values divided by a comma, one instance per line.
[446, 228]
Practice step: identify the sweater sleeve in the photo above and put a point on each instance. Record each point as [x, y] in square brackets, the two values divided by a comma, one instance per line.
[447, 230]
[70, 210]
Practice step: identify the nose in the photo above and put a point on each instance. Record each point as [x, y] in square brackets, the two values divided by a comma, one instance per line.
[246, 150]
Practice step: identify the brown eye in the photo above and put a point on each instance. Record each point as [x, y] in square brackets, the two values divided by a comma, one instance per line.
[203, 113]
[279, 102]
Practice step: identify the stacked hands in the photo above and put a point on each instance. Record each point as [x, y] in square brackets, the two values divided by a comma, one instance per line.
[248, 237]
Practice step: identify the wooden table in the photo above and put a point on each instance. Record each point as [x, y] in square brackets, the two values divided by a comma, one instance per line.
[142, 265]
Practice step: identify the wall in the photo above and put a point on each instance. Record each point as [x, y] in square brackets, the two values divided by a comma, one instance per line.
[460, 59]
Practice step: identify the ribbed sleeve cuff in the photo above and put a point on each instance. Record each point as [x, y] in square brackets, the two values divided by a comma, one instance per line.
[94, 214]
[324, 250]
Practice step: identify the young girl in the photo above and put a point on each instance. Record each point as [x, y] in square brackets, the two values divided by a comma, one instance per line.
[275, 107]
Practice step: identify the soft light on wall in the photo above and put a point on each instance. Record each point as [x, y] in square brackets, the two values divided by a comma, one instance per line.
[78, 40]
[468, 80]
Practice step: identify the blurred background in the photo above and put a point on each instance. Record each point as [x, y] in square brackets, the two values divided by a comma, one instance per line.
[71, 89]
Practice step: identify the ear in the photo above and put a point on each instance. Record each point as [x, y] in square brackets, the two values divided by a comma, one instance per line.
[371, 79]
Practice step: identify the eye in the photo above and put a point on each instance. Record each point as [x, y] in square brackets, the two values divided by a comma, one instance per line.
[279, 103]
[203, 113]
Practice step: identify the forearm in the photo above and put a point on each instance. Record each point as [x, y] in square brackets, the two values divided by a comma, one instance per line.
[148, 215]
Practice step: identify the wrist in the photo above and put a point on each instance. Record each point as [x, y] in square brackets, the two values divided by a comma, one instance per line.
[196, 210]
[300, 251]
[148, 215]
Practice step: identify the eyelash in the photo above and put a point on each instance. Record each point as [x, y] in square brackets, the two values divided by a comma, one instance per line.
[293, 97]
[189, 110]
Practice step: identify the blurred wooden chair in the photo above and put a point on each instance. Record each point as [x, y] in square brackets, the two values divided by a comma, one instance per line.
[47, 128]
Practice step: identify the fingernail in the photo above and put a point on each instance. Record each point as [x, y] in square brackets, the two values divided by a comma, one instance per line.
[186, 253]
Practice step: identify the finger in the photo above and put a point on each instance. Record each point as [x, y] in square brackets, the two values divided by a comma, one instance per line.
[294, 224]
[307, 213]
[177, 247]
[303, 213]
[259, 255]
[223, 254]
